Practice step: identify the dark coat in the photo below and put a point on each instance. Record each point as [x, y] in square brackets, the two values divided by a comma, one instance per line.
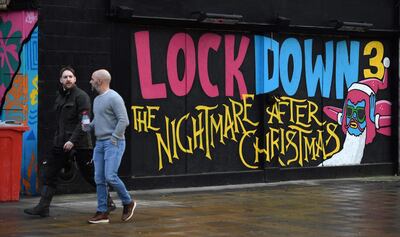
[69, 106]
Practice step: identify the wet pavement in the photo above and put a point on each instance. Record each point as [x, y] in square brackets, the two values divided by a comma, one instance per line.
[341, 207]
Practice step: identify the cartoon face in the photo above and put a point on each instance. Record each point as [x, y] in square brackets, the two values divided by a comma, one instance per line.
[355, 117]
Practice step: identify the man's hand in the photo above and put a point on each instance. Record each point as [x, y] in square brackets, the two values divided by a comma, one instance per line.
[68, 146]
[85, 127]
[114, 141]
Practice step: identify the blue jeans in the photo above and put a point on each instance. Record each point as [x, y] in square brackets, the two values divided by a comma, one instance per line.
[107, 158]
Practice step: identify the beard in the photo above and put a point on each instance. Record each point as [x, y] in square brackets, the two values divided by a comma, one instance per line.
[351, 153]
[95, 88]
[67, 86]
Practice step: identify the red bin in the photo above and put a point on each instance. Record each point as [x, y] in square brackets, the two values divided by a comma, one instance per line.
[10, 161]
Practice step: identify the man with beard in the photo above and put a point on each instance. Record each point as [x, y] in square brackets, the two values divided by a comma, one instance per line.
[69, 141]
[109, 123]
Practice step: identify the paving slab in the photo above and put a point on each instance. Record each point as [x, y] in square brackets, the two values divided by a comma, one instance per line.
[367, 207]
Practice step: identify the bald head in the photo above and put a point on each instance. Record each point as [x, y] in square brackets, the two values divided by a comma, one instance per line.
[101, 80]
[103, 75]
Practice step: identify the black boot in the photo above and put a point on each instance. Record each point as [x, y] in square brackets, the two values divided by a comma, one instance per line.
[110, 204]
[42, 208]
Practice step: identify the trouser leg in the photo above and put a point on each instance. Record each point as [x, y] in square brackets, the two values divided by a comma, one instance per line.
[84, 161]
[52, 167]
[112, 156]
[43, 207]
[99, 177]
[86, 167]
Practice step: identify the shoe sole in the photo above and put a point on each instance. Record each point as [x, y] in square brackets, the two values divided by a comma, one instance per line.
[99, 221]
[133, 209]
[37, 214]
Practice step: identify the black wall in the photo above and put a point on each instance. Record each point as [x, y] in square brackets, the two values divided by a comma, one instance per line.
[92, 34]
[301, 12]
[75, 33]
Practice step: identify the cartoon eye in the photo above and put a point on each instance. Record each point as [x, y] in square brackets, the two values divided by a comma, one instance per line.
[349, 112]
[361, 115]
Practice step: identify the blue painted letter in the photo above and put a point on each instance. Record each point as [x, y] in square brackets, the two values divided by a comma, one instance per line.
[346, 67]
[320, 73]
[290, 47]
[264, 84]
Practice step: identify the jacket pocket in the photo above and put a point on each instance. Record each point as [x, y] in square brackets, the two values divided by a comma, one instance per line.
[69, 106]
[69, 114]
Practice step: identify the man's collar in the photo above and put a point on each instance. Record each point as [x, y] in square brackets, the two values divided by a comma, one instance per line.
[64, 91]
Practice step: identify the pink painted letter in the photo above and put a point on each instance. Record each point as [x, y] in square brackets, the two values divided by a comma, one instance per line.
[181, 41]
[148, 89]
[232, 65]
[206, 42]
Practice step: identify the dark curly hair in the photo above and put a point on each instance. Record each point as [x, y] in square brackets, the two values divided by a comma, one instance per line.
[69, 68]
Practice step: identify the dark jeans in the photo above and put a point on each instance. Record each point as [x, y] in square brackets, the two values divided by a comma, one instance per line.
[85, 164]
[59, 159]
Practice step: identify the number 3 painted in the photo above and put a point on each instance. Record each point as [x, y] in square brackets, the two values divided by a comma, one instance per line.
[375, 61]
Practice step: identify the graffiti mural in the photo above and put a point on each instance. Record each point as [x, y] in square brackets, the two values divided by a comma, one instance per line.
[361, 118]
[205, 101]
[18, 79]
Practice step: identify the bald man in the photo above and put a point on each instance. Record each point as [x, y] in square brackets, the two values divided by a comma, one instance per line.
[109, 123]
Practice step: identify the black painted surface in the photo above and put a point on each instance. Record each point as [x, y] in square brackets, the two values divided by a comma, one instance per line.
[81, 34]
[305, 12]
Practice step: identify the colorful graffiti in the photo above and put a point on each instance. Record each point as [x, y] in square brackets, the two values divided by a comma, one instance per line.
[346, 67]
[280, 101]
[19, 88]
[181, 42]
[208, 127]
[361, 118]
[212, 125]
